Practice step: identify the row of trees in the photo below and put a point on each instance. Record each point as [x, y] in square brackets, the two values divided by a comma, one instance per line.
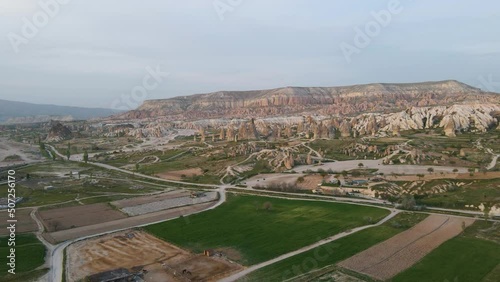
[43, 148]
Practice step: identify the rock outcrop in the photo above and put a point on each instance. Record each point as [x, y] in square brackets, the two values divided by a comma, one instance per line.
[347, 100]
[58, 132]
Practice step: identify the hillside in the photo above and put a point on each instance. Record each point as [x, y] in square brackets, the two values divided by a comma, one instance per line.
[20, 112]
[347, 100]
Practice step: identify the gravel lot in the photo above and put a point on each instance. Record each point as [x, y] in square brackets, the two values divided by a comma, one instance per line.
[149, 199]
[169, 203]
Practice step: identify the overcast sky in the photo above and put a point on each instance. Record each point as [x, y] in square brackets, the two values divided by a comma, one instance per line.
[91, 53]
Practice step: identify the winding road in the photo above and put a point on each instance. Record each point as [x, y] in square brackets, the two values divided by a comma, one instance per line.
[55, 254]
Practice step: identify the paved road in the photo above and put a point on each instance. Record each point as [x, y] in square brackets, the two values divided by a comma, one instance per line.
[56, 253]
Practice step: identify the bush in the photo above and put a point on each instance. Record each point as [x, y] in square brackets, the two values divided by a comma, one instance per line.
[281, 187]
[408, 202]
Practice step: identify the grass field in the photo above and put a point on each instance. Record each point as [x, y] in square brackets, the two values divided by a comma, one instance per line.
[30, 254]
[472, 256]
[467, 259]
[336, 251]
[56, 174]
[244, 225]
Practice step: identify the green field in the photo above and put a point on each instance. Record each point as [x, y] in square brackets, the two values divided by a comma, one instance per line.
[467, 259]
[30, 254]
[334, 252]
[94, 181]
[244, 225]
[471, 256]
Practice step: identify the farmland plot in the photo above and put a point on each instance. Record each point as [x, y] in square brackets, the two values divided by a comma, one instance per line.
[400, 252]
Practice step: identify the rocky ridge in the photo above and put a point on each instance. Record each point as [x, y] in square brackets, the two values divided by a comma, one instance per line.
[345, 100]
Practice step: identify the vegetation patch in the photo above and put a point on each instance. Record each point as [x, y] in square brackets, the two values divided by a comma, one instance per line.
[261, 228]
[459, 259]
[30, 254]
[336, 251]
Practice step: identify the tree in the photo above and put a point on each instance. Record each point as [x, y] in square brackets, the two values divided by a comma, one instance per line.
[55, 225]
[430, 170]
[68, 154]
[471, 171]
[455, 170]
[86, 156]
[300, 179]
[408, 202]
[420, 176]
[137, 166]
[361, 165]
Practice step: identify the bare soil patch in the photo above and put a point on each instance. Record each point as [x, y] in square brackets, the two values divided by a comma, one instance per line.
[400, 252]
[124, 223]
[129, 249]
[24, 222]
[311, 182]
[77, 216]
[178, 174]
[24, 153]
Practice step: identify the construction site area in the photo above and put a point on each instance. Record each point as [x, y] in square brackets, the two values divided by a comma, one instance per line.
[137, 255]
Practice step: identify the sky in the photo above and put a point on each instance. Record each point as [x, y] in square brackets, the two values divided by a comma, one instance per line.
[116, 53]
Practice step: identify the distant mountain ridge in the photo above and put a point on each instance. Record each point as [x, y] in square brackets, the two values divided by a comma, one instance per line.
[344, 100]
[21, 112]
